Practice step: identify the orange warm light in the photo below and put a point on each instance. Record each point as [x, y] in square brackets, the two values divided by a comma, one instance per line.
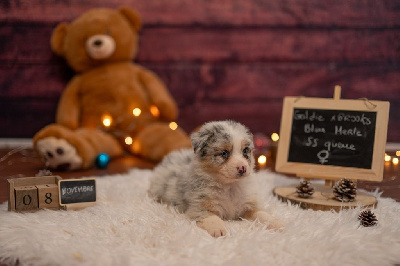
[128, 141]
[274, 136]
[262, 159]
[107, 120]
[136, 111]
[136, 147]
[173, 125]
[154, 111]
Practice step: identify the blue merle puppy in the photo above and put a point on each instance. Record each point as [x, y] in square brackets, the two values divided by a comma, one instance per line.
[213, 183]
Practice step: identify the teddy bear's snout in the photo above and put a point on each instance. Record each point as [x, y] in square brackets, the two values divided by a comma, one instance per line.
[100, 46]
[97, 42]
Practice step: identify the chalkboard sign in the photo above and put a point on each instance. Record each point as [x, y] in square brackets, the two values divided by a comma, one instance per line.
[76, 191]
[333, 138]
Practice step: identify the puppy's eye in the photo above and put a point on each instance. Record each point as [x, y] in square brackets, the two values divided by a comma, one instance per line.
[225, 154]
[246, 152]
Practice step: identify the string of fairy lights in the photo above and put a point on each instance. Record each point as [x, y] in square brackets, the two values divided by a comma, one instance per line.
[263, 157]
[109, 121]
[393, 159]
[265, 146]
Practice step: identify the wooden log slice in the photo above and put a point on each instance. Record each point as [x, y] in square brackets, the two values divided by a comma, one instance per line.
[323, 199]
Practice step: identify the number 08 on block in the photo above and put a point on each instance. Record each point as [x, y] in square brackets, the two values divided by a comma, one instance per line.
[33, 193]
[50, 192]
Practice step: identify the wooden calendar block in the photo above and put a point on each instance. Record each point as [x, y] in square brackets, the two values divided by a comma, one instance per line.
[26, 198]
[24, 182]
[48, 196]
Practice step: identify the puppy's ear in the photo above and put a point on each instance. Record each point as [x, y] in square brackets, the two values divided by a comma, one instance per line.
[200, 139]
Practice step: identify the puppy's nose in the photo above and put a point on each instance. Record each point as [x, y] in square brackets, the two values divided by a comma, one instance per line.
[242, 169]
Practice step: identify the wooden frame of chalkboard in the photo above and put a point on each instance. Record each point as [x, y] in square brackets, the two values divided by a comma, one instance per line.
[77, 193]
[333, 138]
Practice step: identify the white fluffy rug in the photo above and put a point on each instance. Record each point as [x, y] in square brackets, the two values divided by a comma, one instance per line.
[127, 228]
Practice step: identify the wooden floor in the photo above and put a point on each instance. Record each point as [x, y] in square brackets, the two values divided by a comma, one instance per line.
[25, 163]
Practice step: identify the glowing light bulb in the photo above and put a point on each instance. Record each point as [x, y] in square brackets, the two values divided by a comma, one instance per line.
[274, 136]
[128, 141]
[107, 120]
[397, 153]
[387, 158]
[395, 161]
[262, 159]
[136, 111]
[173, 125]
[154, 111]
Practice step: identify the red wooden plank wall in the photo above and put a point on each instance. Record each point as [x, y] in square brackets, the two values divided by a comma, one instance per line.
[220, 59]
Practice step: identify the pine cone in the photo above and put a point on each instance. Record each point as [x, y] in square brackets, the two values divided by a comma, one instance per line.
[367, 218]
[305, 190]
[345, 190]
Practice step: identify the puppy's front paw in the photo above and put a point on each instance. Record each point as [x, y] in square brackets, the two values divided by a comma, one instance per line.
[213, 225]
[272, 222]
[58, 154]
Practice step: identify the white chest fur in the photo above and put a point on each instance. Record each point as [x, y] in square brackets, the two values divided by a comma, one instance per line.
[234, 200]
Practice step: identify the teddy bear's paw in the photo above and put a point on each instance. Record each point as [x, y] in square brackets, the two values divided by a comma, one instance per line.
[58, 154]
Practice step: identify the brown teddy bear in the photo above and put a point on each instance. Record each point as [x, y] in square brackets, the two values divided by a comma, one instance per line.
[100, 46]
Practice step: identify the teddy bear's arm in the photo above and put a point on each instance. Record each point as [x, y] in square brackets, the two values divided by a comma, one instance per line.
[68, 107]
[158, 94]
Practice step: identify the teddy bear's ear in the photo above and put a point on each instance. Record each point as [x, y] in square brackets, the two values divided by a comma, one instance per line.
[57, 38]
[132, 17]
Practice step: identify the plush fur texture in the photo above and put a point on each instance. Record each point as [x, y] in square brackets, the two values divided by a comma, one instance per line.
[100, 46]
[213, 181]
[126, 227]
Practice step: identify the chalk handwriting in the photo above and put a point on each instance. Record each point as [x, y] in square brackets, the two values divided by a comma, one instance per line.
[323, 156]
[311, 128]
[339, 145]
[77, 189]
[332, 137]
[313, 116]
[342, 117]
[339, 130]
[311, 142]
